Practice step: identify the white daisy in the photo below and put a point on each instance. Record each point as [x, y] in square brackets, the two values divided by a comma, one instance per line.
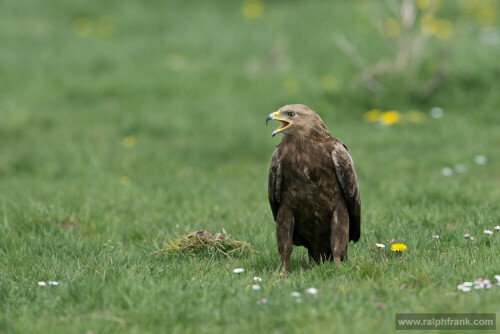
[238, 270]
[437, 113]
[480, 160]
[447, 171]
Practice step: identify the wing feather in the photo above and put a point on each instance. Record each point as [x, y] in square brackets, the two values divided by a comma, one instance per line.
[346, 175]
[274, 183]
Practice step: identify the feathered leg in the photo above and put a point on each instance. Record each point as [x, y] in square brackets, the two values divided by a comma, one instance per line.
[314, 256]
[339, 238]
[284, 234]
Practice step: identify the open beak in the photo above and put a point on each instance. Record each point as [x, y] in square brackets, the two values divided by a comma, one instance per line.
[284, 124]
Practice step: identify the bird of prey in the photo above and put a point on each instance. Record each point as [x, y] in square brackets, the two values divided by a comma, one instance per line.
[313, 189]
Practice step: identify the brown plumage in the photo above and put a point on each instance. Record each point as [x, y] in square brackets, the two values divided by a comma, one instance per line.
[313, 188]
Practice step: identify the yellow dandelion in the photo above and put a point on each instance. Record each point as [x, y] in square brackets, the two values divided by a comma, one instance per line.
[423, 4]
[83, 27]
[485, 14]
[372, 115]
[429, 24]
[329, 82]
[125, 180]
[416, 116]
[106, 26]
[252, 10]
[444, 29]
[128, 142]
[398, 248]
[390, 117]
[392, 27]
[291, 86]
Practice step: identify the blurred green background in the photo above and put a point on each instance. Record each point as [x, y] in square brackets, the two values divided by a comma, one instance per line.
[125, 124]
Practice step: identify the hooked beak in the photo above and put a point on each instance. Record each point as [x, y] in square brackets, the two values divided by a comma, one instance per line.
[274, 116]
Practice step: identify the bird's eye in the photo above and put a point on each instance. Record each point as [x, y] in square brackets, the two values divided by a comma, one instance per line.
[291, 114]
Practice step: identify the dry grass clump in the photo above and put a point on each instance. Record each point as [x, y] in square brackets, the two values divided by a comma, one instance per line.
[204, 243]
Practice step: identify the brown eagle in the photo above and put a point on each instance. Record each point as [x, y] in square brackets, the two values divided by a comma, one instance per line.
[313, 188]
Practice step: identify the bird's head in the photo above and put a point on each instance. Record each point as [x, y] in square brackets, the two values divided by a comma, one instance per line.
[297, 120]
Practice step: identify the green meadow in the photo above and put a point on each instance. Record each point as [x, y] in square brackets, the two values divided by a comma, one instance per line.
[128, 124]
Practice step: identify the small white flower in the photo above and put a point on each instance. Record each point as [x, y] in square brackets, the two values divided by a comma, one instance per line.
[471, 238]
[238, 270]
[380, 246]
[466, 289]
[487, 286]
[295, 294]
[480, 160]
[460, 168]
[435, 236]
[42, 283]
[490, 36]
[497, 228]
[257, 279]
[467, 284]
[437, 112]
[53, 283]
[255, 287]
[480, 286]
[312, 291]
[488, 232]
[487, 282]
[460, 287]
[497, 277]
[447, 171]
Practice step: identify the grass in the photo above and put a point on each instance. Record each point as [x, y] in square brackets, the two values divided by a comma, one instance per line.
[192, 83]
[204, 244]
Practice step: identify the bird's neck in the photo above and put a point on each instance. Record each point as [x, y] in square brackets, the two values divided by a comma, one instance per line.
[313, 136]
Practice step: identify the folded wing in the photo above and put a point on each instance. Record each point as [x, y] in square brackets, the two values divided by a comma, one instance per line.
[346, 176]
